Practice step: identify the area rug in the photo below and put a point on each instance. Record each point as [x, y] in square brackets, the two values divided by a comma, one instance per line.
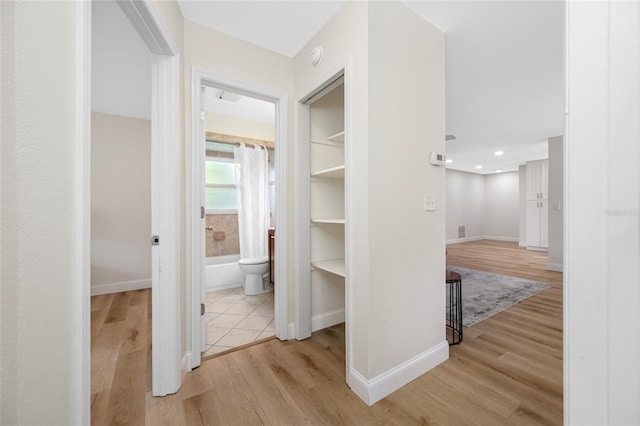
[485, 294]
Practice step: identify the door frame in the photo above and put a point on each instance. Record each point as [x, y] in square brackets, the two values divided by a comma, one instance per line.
[200, 77]
[303, 330]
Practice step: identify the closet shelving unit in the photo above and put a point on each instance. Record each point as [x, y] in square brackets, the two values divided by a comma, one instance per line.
[327, 203]
[328, 187]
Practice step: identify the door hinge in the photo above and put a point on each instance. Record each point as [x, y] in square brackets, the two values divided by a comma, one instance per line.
[202, 116]
[155, 240]
[202, 309]
[201, 212]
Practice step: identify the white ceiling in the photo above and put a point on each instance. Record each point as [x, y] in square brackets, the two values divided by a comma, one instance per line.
[504, 79]
[281, 26]
[504, 66]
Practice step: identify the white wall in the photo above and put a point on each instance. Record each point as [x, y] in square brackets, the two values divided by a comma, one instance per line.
[120, 64]
[465, 204]
[406, 115]
[602, 207]
[501, 220]
[556, 185]
[42, 307]
[120, 203]
[488, 206]
[229, 125]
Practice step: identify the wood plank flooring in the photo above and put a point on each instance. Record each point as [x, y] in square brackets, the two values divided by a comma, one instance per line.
[508, 369]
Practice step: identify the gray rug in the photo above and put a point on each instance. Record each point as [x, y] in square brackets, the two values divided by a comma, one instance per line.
[485, 294]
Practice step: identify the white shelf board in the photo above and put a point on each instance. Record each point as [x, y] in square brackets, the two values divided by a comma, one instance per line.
[338, 137]
[332, 172]
[320, 220]
[335, 266]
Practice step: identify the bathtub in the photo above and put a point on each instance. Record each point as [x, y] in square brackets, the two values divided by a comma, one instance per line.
[222, 272]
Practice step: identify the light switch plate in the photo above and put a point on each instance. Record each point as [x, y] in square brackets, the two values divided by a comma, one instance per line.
[429, 202]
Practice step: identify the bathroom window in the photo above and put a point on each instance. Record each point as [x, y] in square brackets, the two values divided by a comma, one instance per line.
[220, 190]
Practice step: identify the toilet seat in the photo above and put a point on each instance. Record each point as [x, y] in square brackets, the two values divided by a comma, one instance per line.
[253, 260]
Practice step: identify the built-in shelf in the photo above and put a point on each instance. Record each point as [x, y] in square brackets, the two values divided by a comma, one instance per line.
[332, 172]
[335, 266]
[336, 221]
[338, 137]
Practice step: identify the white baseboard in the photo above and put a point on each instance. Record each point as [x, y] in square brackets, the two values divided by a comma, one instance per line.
[222, 287]
[98, 289]
[327, 319]
[494, 238]
[464, 240]
[373, 390]
[554, 267]
[483, 237]
[522, 244]
[185, 365]
[534, 248]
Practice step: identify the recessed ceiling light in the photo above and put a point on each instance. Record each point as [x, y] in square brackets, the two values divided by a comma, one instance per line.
[448, 161]
[498, 171]
[478, 166]
[498, 153]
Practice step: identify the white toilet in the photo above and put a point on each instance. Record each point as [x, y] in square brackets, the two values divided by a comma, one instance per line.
[256, 275]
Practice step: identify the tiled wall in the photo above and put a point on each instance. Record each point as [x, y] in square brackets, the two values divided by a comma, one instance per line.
[227, 223]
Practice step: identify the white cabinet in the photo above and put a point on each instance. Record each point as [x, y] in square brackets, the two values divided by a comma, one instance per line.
[537, 228]
[537, 204]
[327, 209]
[537, 180]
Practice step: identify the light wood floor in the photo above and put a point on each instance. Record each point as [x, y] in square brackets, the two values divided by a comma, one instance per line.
[508, 369]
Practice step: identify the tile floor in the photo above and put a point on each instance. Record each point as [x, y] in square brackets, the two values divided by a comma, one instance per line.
[233, 319]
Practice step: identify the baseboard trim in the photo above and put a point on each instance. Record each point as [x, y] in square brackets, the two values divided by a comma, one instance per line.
[99, 289]
[327, 319]
[534, 248]
[555, 267]
[522, 244]
[222, 287]
[373, 390]
[483, 237]
[464, 240]
[494, 238]
[185, 365]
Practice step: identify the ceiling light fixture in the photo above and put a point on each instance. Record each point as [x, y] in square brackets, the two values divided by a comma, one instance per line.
[498, 171]
[448, 161]
[498, 153]
[478, 167]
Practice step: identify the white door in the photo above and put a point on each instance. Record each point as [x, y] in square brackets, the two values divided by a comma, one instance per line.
[165, 226]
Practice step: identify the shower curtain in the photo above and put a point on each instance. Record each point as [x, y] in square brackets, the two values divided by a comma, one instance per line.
[252, 182]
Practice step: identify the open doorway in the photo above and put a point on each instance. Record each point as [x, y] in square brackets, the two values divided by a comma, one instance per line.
[222, 122]
[155, 193]
[240, 216]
